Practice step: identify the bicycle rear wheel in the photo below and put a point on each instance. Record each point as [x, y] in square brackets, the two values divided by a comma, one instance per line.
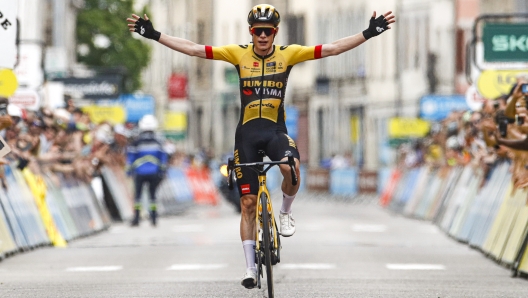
[267, 243]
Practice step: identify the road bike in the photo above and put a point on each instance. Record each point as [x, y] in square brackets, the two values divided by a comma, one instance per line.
[267, 247]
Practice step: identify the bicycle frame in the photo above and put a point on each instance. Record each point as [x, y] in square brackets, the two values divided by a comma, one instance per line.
[259, 168]
[263, 189]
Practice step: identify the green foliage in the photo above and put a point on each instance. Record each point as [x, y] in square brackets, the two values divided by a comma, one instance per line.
[108, 18]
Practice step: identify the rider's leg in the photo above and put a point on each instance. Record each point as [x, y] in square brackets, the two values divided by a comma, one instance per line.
[289, 190]
[247, 234]
[247, 226]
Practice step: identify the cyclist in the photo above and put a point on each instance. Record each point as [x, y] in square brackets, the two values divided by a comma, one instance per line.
[263, 69]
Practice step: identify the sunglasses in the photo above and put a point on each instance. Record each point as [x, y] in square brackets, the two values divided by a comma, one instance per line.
[267, 30]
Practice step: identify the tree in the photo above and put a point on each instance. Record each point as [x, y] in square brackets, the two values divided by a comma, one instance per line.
[104, 42]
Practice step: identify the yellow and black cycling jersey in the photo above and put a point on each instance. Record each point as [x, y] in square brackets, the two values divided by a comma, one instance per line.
[263, 78]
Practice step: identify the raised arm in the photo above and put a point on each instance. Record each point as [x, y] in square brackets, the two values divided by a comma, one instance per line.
[376, 27]
[512, 102]
[144, 27]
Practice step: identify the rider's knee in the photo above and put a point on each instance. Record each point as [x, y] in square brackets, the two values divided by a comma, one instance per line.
[286, 169]
[248, 203]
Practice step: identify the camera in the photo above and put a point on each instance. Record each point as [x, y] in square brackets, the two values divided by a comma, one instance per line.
[519, 120]
[3, 106]
[503, 127]
[524, 88]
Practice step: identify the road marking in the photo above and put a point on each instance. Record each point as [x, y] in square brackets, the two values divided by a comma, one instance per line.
[95, 269]
[180, 267]
[415, 267]
[188, 228]
[308, 266]
[369, 228]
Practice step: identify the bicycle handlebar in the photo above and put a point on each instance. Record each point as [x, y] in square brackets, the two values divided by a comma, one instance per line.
[256, 165]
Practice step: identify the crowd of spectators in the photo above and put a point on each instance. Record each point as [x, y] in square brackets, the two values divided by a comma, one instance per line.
[497, 132]
[61, 141]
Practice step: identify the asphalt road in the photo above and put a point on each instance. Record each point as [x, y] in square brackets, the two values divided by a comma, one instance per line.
[341, 249]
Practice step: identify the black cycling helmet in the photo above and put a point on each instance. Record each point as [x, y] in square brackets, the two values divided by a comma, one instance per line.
[264, 13]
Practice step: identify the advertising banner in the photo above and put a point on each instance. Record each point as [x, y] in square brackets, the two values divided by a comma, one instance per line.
[505, 42]
[8, 33]
[177, 86]
[103, 87]
[437, 107]
[137, 106]
[407, 128]
[8, 82]
[494, 83]
[113, 114]
[26, 99]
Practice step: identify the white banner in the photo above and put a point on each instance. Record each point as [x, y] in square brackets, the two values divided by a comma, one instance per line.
[26, 99]
[8, 30]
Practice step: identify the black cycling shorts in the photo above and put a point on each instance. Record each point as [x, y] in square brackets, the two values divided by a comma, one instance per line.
[275, 143]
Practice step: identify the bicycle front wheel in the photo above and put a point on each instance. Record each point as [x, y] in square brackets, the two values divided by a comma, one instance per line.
[267, 243]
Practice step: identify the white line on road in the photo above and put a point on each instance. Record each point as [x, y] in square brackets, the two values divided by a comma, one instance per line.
[178, 267]
[95, 269]
[415, 267]
[313, 266]
[369, 228]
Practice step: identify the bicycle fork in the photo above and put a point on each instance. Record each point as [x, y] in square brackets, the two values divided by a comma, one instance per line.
[264, 189]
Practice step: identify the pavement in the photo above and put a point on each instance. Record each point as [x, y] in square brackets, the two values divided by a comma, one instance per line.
[343, 247]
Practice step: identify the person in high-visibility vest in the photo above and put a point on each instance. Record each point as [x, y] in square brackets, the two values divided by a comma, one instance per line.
[147, 163]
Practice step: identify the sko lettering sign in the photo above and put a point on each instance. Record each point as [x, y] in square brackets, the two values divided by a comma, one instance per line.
[505, 42]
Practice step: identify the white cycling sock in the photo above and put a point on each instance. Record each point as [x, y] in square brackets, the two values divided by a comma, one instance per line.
[286, 203]
[249, 251]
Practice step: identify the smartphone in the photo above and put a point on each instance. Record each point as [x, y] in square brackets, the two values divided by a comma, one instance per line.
[519, 120]
[503, 127]
[524, 88]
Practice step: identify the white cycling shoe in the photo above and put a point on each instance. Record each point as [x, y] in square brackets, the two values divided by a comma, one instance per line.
[287, 224]
[249, 281]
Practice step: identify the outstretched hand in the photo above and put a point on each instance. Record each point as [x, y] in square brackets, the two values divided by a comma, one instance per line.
[143, 26]
[379, 25]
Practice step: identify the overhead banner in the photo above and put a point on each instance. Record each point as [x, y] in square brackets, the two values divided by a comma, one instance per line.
[8, 33]
[505, 42]
[103, 87]
[112, 114]
[408, 128]
[494, 83]
[437, 107]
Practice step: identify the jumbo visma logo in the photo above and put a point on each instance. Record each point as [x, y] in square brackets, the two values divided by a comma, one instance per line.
[271, 84]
